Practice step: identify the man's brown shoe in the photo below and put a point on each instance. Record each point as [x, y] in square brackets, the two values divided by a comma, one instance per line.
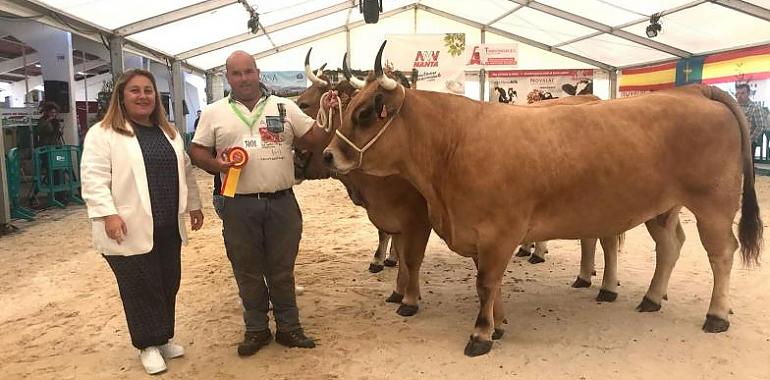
[253, 341]
[294, 338]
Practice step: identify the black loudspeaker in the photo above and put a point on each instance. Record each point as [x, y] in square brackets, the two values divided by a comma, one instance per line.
[58, 92]
[371, 10]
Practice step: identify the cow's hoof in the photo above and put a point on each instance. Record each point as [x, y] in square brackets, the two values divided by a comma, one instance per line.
[606, 296]
[593, 273]
[522, 252]
[390, 263]
[665, 297]
[535, 259]
[730, 312]
[647, 306]
[477, 347]
[407, 310]
[715, 324]
[581, 283]
[497, 334]
[395, 298]
[376, 268]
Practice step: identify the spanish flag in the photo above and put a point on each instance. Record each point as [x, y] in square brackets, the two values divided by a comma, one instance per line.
[649, 78]
[744, 65]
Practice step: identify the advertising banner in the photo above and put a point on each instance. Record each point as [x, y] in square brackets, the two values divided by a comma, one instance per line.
[438, 58]
[525, 86]
[286, 84]
[494, 55]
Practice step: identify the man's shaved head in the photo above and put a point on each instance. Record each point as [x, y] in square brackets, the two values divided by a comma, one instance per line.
[239, 56]
[243, 76]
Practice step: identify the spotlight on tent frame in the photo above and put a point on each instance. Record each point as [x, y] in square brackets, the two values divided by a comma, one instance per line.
[654, 28]
[253, 23]
[371, 10]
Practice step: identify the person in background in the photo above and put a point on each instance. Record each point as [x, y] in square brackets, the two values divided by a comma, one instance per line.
[217, 200]
[49, 129]
[48, 133]
[197, 119]
[755, 114]
[137, 182]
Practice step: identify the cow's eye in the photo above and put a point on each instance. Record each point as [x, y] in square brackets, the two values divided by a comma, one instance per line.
[365, 116]
[303, 106]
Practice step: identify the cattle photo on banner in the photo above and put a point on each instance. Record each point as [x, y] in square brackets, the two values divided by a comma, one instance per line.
[527, 86]
[287, 84]
[438, 58]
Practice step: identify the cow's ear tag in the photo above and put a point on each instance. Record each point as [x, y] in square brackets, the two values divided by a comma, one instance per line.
[384, 113]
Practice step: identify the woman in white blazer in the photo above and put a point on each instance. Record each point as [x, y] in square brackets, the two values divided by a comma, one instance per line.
[137, 183]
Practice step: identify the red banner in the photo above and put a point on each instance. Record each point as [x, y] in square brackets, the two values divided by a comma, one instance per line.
[540, 73]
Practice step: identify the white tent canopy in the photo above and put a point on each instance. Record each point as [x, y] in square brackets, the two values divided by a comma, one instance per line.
[607, 34]
[552, 34]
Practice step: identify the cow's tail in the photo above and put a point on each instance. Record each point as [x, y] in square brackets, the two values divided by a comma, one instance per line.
[750, 225]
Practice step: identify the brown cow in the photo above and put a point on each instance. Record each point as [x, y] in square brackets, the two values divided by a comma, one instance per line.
[621, 163]
[393, 205]
[309, 102]
[359, 188]
[610, 245]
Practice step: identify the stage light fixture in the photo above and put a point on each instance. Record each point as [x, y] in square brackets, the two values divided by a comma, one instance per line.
[253, 23]
[654, 28]
[371, 10]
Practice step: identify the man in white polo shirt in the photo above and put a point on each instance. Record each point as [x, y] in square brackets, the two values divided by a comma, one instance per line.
[262, 221]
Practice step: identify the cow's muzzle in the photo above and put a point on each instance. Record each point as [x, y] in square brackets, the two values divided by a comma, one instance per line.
[332, 159]
[328, 158]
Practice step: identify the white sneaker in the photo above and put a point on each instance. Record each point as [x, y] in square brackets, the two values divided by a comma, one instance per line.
[171, 350]
[152, 360]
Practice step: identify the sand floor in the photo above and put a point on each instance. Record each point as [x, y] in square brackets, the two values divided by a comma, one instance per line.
[61, 316]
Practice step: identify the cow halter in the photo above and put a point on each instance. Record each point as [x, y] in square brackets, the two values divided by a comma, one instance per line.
[324, 119]
[376, 137]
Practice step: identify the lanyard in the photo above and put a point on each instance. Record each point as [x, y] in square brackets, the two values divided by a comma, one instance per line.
[249, 122]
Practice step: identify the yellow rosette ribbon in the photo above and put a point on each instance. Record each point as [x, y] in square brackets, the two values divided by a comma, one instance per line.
[239, 157]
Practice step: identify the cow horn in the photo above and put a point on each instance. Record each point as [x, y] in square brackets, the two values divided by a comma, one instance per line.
[320, 70]
[355, 82]
[385, 81]
[310, 74]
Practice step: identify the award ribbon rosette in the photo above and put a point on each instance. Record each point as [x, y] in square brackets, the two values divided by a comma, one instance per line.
[239, 157]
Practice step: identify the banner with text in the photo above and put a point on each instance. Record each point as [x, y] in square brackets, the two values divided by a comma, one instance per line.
[286, 84]
[494, 55]
[524, 86]
[438, 58]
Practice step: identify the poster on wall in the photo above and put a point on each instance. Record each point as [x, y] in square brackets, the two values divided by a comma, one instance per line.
[286, 84]
[493, 55]
[438, 58]
[526, 86]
